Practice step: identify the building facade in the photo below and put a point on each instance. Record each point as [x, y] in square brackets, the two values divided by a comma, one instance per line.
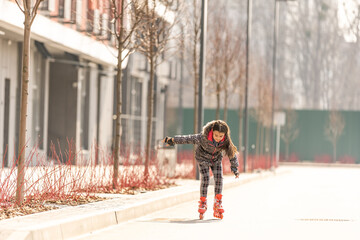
[71, 101]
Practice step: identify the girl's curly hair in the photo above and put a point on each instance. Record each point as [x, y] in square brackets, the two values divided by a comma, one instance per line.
[221, 126]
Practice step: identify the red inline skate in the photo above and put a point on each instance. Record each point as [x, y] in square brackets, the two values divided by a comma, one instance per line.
[218, 209]
[202, 207]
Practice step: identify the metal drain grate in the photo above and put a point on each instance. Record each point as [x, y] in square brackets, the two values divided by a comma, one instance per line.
[324, 220]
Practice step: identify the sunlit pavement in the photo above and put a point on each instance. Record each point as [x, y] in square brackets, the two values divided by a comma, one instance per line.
[309, 203]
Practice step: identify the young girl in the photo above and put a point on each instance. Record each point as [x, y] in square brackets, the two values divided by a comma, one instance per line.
[210, 145]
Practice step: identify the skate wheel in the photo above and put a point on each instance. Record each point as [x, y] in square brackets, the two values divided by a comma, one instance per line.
[201, 216]
[218, 215]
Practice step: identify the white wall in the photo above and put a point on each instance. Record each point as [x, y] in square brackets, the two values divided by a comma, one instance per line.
[8, 69]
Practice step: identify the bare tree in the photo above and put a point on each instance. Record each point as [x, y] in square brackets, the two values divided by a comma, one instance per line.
[334, 128]
[263, 109]
[239, 86]
[194, 30]
[29, 12]
[286, 62]
[316, 65]
[215, 54]
[289, 131]
[152, 40]
[123, 14]
[351, 70]
[315, 48]
[235, 13]
[223, 58]
[231, 60]
[192, 19]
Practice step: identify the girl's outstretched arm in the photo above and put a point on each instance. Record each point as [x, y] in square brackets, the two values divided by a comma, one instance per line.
[188, 139]
[182, 139]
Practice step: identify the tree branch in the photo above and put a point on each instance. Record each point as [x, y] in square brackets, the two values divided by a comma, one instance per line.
[34, 11]
[17, 2]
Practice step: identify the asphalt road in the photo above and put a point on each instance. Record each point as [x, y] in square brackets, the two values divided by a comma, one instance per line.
[308, 203]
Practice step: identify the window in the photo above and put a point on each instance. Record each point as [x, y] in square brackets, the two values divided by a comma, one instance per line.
[6, 123]
[48, 5]
[136, 106]
[61, 8]
[93, 18]
[136, 96]
[73, 11]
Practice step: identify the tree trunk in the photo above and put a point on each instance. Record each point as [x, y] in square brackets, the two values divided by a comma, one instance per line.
[240, 133]
[23, 110]
[118, 100]
[287, 144]
[317, 67]
[256, 153]
[262, 137]
[196, 97]
[334, 152]
[226, 104]
[262, 141]
[267, 146]
[240, 122]
[196, 84]
[150, 114]
[217, 101]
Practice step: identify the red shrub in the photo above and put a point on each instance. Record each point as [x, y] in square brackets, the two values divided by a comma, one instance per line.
[347, 159]
[58, 178]
[323, 159]
[294, 158]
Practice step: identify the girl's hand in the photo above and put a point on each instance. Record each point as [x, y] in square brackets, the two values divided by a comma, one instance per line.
[235, 171]
[169, 141]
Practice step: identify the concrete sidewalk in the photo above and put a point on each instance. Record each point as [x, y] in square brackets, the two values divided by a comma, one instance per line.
[70, 222]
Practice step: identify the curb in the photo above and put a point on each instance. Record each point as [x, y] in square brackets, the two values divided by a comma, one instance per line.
[72, 222]
[312, 164]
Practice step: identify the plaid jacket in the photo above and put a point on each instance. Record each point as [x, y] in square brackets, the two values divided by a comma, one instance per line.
[206, 153]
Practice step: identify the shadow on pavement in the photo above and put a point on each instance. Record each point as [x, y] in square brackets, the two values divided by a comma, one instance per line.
[182, 220]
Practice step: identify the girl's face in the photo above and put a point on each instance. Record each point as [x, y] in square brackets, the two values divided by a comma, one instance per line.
[218, 136]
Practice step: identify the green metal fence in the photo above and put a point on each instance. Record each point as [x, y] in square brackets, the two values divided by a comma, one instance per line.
[310, 144]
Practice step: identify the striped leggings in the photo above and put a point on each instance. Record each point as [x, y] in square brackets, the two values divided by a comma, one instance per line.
[205, 178]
